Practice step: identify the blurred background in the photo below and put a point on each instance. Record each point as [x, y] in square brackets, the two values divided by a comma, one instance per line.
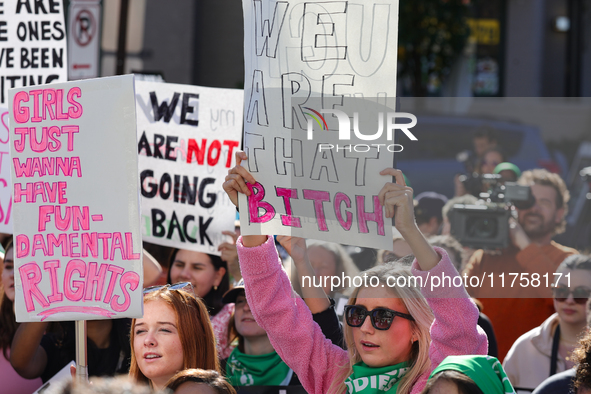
[518, 69]
[447, 48]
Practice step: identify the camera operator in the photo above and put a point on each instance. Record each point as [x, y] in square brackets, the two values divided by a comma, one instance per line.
[515, 310]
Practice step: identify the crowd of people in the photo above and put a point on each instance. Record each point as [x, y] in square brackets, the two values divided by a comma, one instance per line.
[247, 319]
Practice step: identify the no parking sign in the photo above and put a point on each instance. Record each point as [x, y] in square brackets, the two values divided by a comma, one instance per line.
[83, 40]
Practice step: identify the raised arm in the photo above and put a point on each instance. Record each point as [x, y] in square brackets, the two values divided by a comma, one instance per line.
[315, 297]
[287, 320]
[235, 183]
[323, 311]
[454, 330]
[397, 199]
[230, 255]
[27, 356]
[275, 306]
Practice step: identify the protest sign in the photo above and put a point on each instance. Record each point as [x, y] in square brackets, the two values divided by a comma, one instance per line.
[77, 240]
[64, 375]
[33, 44]
[187, 136]
[311, 68]
[5, 182]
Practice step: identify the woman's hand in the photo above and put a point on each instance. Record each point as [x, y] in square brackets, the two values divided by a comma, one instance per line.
[397, 199]
[228, 249]
[294, 246]
[236, 183]
[314, 297]
[230, 255]
[237, 178]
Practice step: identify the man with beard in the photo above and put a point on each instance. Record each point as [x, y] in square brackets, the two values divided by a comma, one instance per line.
[520, 306]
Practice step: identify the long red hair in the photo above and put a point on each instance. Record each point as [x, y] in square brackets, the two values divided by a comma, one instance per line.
[194, 328]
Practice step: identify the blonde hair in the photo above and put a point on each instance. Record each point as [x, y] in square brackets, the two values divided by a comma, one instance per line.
[417, 307]
[194, 329]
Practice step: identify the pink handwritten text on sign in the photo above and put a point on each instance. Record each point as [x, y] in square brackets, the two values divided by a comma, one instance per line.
[63, 230]
[320, 200]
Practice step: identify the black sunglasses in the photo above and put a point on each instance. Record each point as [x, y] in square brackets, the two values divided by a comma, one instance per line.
[381, 318]
[580, 294]
[186, 286]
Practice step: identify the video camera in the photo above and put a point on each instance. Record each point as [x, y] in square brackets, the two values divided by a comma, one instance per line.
[485, 224]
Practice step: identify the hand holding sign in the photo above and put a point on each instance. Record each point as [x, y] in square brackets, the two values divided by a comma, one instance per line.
[237, 178]
[314, 297]
[295, 247]
[229, 254]
[228, 249]
[397, 199]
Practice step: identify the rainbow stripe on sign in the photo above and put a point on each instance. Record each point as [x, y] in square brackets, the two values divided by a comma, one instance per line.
[325, 127]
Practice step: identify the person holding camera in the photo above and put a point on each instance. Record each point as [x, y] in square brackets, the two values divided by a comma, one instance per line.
[517, 306]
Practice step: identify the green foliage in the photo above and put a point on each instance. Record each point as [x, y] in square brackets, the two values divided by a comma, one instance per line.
[432, 33]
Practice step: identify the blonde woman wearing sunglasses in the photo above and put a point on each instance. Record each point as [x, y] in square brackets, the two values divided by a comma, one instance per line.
[392, 347]
[547, 349]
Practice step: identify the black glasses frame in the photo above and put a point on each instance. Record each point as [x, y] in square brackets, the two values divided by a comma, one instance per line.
[373, 316]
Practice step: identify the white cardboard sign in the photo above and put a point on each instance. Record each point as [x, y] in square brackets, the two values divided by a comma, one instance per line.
[187, 136]
[77, 239]
[33, 44]
[302, 58]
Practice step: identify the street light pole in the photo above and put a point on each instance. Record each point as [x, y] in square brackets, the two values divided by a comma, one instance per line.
[574, 49]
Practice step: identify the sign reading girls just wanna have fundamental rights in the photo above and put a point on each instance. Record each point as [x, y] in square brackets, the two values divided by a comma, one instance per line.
[77, 240]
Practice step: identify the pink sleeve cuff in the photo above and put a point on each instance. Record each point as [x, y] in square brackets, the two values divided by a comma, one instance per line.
[258, 259]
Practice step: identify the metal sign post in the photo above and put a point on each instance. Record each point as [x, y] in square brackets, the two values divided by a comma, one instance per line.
[84, 39]
[81, 352]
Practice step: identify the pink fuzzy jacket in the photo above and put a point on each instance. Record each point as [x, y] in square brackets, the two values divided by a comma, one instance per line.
[300, 342]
